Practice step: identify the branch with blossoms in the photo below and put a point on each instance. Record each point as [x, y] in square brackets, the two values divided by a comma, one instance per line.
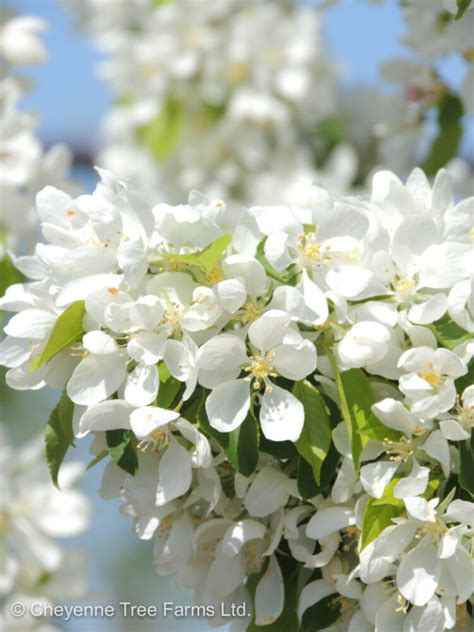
[283, 397]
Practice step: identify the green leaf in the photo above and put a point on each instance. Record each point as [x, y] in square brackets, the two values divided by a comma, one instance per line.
[379, 512]
[9, 275]
[67, 330]
[206, 259]
[322, 615]
[161, 135]
[209, 257]
[278, 449]
[283, 277]
[357, 397]
[121, 450]
[307, 486]
[465, 380]
[102, 454]
[242, 450]
[448, 333]
[59, 435]
[315, 439]
[169, 387]
[466, 466]
[446, 143]
[463, 6]
[377, 518]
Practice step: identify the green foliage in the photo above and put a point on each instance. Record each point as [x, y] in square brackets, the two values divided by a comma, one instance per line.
[448, 333]
[307, 486]
[278, 449]
[59, 435]
[206, 260]
[161, 135]
[379, 512]
[463, 6]
[121, 450]
[67, 330]
[466, 466]
[446, 143]
[242, 449]
[288, 277]
[357, 397]
[169, 387]
[315, 439]
[8, 274]
[322, 615]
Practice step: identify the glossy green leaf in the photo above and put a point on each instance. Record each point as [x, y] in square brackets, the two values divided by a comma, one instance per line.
[315, 439]
[322, 615]
[121, 450]
[466, 466]
[377, 518]
[59, 435]
[449, 334]
[242, 449]
[206, 259]
[67, 330]
[287, 277]
[357, 397]
[169, 387]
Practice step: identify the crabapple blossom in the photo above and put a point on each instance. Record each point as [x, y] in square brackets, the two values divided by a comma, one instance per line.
[284, 394]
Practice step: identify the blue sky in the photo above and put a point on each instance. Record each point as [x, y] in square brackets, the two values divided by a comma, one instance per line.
[71, 100]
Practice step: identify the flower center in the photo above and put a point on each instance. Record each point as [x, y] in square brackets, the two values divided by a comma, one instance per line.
[251, 555]
[399, 450]
[466, 414]
[404, 286]
[431, 376]
[171, 315]
[261, 367]
[251, 312]
[435, 530]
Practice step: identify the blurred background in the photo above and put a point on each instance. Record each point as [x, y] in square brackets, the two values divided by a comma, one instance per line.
[71, 101]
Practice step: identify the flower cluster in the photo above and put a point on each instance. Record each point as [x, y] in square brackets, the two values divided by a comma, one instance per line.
[26, 166]
[283, 394]
[33, 516]
[223, 97]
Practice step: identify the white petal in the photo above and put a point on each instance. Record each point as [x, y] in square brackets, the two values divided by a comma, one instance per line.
[295, 361]
[438, 448]
[31, 323]
[267, 331]
[222, 352]
[228, 404]
[414, 484]
[327, 521]
[267, 493]
[269, 595]
[109, 415]
[174, 473]
[96, 378]
[418, 574]
[281, 415]
[147, 347]
[312, 593]
[141, 385]
[144, 420]
[376, 476]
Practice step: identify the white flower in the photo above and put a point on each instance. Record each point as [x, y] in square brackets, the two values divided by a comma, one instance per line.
[279, 350]
[429, 381]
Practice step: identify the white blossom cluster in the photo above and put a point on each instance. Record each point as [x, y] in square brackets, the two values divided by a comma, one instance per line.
[284, 393]
[398, 124]
[26, 166]
[223, 97]
[34, 516]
